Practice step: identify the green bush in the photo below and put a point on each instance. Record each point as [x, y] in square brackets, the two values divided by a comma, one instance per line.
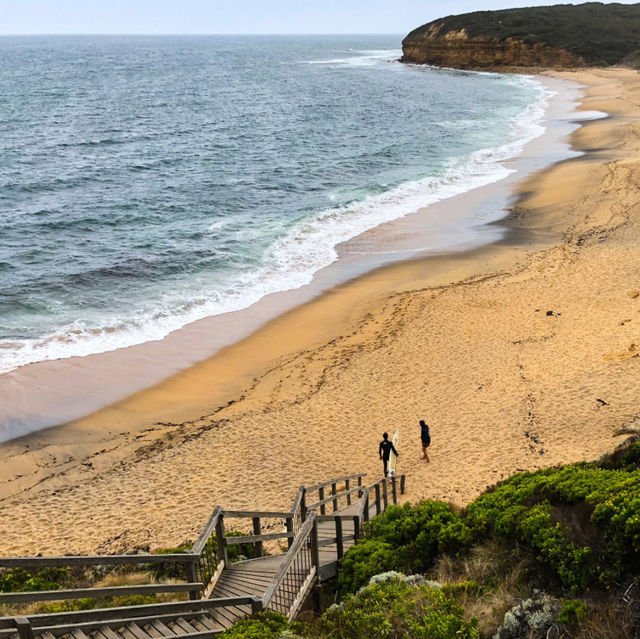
[365, 559]
[395, 609]
[248, 550]
[463, 588]
[162, 571]
[404, 538]
[582, 521]
[69, 605]
[266, 625]
[573, 612]
[21, 580]
[626, 458]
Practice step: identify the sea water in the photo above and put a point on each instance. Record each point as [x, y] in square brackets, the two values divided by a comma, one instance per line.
[148, 182]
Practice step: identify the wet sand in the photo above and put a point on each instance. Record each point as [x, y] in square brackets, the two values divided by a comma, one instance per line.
[520, 354]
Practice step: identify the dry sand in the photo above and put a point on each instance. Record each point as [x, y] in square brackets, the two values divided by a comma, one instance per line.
[520, 355]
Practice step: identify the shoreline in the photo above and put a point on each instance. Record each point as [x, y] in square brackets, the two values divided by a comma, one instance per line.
[463, 340]
[47, 394]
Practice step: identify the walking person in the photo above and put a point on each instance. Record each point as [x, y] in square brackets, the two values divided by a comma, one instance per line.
[384, 450]
[425, 438]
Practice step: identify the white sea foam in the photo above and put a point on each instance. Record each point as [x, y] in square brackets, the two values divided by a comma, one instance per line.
[366, 58]
[292, 261]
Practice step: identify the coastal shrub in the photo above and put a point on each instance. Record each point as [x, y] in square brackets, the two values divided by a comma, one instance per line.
[396, 608]
[531, 618]
[265, 625]
[463, 588]
[573, 611]
[581, 521]
[69, 605]
[626, 458]
[366, 559]
[244, 551]
[21, 580]
[404, 538]
[162, 571]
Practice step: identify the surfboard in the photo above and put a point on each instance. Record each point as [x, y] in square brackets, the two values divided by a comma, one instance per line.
[393, 458]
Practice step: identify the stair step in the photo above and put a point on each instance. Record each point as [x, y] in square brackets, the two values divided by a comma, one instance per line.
[137, 631]
[183, 626]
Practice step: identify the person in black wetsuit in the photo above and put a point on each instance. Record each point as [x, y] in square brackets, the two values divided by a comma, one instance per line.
[385, 449]
[425, 437]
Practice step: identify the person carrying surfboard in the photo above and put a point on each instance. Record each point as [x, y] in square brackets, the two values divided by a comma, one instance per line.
[425, 437]
[384, 450]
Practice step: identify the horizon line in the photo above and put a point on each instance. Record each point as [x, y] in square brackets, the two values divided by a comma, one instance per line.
[293, 33]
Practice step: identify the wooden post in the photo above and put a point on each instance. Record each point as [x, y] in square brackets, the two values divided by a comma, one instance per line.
[377, 499]
[356, 528]
[256, 605]
[221, 541]
[316, 595]
[402, 480]
[303, 504]
[359, 486]
[365, 514]
[321, 497]
[346, 487]
[339, 541]
[394, 490]
[23, 625]
[385, 496]
[192, 577]
[257, 531]
[289, 524]
[315, 549]
[333, 492]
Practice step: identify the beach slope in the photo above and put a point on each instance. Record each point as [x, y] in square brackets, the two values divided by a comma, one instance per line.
[519, 355]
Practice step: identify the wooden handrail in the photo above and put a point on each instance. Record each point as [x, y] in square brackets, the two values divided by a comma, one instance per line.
[334, 481]
[94, 560]
[130, 613]
[247, 539]
[207, 531]
[267, 514]
[342, 493]
[333, 517]
[300, 539]
[297, 502]
[80, 593]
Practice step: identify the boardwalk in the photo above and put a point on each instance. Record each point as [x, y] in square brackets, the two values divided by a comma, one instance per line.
[325, 520]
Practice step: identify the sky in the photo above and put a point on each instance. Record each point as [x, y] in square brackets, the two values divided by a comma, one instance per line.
[232, 16]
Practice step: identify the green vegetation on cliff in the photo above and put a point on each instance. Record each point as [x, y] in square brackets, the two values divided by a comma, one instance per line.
[599, 34]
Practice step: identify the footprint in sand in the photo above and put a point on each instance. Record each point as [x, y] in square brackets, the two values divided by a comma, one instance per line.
[632, 351]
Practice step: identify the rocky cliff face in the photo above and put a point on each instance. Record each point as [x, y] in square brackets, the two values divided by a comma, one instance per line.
[456, 49]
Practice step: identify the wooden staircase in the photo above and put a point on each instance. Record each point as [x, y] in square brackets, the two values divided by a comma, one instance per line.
[221, 592]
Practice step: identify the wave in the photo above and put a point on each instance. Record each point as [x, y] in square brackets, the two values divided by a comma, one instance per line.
[293, 260]
[369, 57]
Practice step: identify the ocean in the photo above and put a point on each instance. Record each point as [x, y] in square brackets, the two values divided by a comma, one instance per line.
[148, 182]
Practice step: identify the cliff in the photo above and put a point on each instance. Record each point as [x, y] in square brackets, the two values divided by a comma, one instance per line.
[557, 36]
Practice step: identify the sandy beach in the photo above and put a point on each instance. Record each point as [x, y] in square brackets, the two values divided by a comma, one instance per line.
[520, 354]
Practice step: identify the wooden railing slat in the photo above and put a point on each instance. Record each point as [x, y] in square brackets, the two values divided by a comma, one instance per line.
[80, 593]
[342, 493]
[207, 531]
[301, 538]
[336, 480]
[93, 560]
[234, 541]
[250, 514]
